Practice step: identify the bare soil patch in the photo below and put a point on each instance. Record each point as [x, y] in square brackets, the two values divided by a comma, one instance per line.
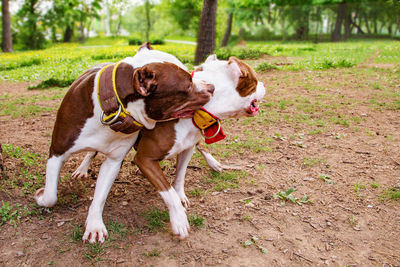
[342, 124]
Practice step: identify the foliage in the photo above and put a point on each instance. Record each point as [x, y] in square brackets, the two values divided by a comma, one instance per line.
[61, 64]
[255, 241]
[30, 34]
[242, 53]
[393, 194]
[135, 41]
[196, 220]
[186, 13]
[287, 195]
[9, 214]
[64, 15]
[264, 66]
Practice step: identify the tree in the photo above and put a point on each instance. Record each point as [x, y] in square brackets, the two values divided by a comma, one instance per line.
[30, 31]
[185, 13]
[207, 31]
[66, 14]
[6, 41]
[228, 30]
[148, 22]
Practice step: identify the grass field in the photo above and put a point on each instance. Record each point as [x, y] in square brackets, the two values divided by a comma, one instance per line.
[315, 178]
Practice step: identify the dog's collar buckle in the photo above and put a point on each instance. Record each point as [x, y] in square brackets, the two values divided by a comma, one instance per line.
[110, 119]
[209, 126]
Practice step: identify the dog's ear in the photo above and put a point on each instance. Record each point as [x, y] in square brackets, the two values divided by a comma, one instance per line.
[146, 45]
[144, 80]
[234, 67]
[210, 58]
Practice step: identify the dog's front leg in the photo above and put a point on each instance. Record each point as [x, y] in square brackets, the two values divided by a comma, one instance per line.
[182, 161]
[177, 213]
[47, 196]
[95, 228]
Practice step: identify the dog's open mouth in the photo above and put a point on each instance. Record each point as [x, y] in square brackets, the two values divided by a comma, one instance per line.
[252, 110]
[184, 113]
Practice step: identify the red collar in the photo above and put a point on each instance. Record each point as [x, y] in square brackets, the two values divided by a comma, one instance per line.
[209, 126]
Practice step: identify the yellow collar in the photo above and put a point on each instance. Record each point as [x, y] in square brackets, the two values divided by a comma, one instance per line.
[121, 112]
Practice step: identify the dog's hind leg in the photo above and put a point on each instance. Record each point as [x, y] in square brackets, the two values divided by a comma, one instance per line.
[47, 196]
[82, 170]
[211, 161]
[95, 228]
[182, 161]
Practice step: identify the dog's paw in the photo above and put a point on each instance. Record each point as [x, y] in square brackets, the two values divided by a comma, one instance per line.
[214, 164]
[179, 223]
[43, 200]
[95, 232]
[80, 173]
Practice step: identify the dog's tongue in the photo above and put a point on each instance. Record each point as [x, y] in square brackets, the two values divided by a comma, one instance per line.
[253, 109]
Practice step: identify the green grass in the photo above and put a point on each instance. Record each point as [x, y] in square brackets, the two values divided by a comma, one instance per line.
[77, 233]
[265, 66]
[392, 194]
[152, 253]
[196, 220]
[156, 219]
[27, 176]
[225, 180]
[61, 64]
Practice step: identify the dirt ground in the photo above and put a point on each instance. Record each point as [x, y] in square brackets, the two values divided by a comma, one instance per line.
[345, 164]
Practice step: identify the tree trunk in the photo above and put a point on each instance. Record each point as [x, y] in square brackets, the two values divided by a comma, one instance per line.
[375, 26]
[341, 13]
[227, 31]
[68, 34]
[383, 24]
[347, 24]
[389, 28]
[207, 31]
[367, 23]
[148, 23]
[283, 26]
[6, 44]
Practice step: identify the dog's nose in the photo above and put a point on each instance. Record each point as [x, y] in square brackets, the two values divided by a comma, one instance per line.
[210, 88]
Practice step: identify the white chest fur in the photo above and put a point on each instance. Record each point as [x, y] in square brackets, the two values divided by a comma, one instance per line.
[186, 136]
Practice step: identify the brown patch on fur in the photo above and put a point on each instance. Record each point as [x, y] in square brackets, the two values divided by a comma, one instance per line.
[175, 92]
[146, 45]
[154, 146]
[247, 81]
[69, 122]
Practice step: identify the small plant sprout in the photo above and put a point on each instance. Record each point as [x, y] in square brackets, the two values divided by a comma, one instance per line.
[279, 137]
[153, 253]
[9, 214]
[287, 195]
[196, 220]
[254, 241]
[326, 178]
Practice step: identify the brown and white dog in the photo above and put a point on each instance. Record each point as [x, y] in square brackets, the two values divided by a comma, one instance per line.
[236, 93]
[150, 93]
